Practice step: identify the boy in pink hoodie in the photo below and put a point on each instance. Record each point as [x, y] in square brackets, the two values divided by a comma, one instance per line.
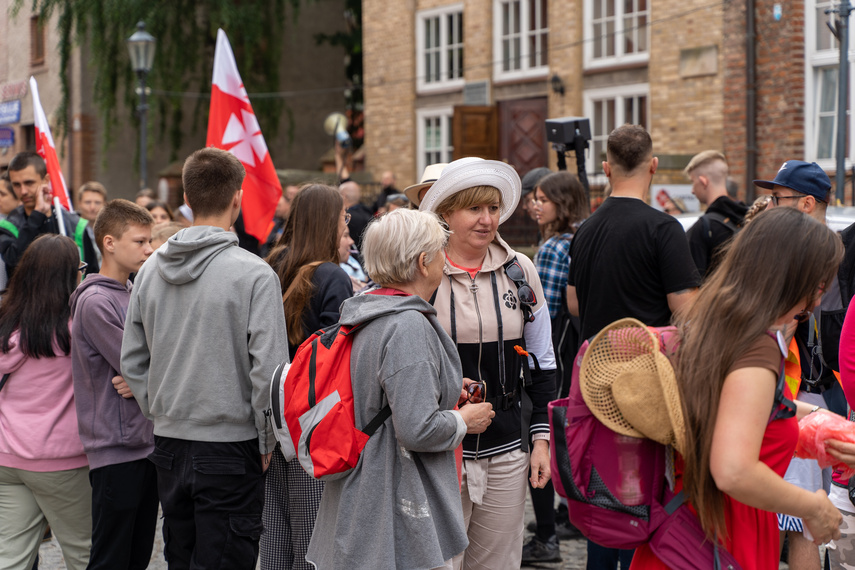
[116, 436]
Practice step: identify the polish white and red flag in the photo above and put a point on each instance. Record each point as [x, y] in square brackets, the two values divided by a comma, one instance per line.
[232, 126]
[46, 148]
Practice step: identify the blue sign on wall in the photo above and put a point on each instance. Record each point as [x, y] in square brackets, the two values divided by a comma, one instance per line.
[7, 137]
[10, 112]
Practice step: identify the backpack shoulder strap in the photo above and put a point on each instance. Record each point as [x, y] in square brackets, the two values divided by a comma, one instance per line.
[782, 407]
[726, 221]
[79, 231]
[9, 227]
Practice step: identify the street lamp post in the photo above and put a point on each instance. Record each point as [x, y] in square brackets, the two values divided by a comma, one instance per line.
[141, 47]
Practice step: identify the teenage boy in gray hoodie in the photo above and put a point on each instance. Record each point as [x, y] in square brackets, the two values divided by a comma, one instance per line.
[116, 436]
[205, 331]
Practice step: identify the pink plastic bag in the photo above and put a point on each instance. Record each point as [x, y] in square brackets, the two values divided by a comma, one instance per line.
[815, 429]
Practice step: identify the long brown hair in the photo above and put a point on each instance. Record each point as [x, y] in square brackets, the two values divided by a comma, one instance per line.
[571, 205]
[775, 263]
[309, 238]
[36, 302]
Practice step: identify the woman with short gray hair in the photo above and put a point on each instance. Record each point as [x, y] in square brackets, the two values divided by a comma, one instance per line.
[400, 506]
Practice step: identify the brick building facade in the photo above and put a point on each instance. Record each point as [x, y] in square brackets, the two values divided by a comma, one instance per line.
[679, 67]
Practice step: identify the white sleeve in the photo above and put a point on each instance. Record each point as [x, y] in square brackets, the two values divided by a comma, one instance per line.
[538, 339]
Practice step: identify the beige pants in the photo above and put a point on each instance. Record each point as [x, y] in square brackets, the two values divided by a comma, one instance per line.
[493, 495]
[29, 501]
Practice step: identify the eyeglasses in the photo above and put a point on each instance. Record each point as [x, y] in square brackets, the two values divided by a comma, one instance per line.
[526, 294]
[539, 202]
[775, 199]
[83, 266]
[346, 218]
[476, 392]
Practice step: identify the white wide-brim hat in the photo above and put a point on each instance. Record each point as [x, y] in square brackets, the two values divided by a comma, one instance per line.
[470, 172]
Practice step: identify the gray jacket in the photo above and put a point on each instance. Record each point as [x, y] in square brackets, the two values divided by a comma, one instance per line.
[400, 507]
[204, 332]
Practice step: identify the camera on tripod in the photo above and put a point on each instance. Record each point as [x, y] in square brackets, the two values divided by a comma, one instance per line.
[566, 130]
[570, 133]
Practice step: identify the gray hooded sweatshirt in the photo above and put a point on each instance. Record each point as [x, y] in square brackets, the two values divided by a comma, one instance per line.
[400, 507]
[204, 332]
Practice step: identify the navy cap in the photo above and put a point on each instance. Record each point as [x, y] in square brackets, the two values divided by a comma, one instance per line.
[803, 177]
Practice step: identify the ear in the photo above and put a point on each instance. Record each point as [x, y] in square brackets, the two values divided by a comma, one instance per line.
[186, 201]
[809, 204]
[109, 243]
[422, 264]
[654, 164]
[607, 170]
[238, 199]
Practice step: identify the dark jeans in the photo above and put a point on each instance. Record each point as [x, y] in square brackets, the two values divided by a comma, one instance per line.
[124, 515]
[602, 558]
[212, 496]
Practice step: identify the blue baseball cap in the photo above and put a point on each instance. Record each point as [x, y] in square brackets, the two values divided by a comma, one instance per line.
[803, 177]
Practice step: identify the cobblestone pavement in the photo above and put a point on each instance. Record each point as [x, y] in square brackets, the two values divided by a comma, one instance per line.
[573, 553]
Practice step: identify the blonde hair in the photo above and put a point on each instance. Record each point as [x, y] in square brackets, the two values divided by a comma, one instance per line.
[474, 196]
[392, 244]
[705, 158]
[165, 230]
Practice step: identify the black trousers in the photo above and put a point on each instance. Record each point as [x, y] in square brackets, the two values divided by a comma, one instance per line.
[212, 496]
[124, 515]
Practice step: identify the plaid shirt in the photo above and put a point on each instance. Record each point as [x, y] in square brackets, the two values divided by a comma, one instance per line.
[553, 265]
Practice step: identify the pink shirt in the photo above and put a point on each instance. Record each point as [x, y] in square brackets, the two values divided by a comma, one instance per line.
[38, 421]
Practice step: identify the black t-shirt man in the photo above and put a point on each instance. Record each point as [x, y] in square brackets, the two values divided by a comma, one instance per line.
[625, 260]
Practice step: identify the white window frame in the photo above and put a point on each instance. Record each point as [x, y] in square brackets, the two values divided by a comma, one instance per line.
[620, 58]
[619, 94]
[444, 84]
[525, 71]
[815, 61]
[445, 115]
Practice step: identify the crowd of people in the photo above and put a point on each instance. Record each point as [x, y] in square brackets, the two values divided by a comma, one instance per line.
[137, 352]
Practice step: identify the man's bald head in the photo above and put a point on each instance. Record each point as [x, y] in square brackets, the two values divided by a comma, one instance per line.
[350, 193]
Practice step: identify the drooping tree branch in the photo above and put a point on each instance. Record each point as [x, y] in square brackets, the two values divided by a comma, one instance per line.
[186, 34]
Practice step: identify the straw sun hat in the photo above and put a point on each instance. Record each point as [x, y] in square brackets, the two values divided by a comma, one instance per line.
[630, 386]
[431, 173]
[469, 172]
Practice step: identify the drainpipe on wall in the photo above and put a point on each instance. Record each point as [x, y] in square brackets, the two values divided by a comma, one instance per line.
[750, 103]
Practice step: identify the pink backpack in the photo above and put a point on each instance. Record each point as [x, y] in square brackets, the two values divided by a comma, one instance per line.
[616, 486]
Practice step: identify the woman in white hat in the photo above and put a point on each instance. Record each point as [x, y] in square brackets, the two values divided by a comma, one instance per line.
[490, 301]
[737, 447]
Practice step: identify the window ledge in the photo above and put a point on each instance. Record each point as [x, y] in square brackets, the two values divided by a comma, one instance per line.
[527, 76]
[441, 87]
[610, 67]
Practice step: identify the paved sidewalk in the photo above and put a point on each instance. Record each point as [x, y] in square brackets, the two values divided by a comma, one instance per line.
[573, 553]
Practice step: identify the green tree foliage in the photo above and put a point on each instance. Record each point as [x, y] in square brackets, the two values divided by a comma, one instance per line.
[186, 33]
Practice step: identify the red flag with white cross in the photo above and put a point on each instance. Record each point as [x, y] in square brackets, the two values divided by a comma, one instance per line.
[47, 149]
[232, 126]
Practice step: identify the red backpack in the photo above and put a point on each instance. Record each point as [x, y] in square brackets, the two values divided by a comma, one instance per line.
[312, 406]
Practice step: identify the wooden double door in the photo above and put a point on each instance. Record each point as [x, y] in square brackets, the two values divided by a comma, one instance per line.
[511, 131]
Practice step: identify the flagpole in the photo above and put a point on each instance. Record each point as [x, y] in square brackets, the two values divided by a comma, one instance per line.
[57, 211]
